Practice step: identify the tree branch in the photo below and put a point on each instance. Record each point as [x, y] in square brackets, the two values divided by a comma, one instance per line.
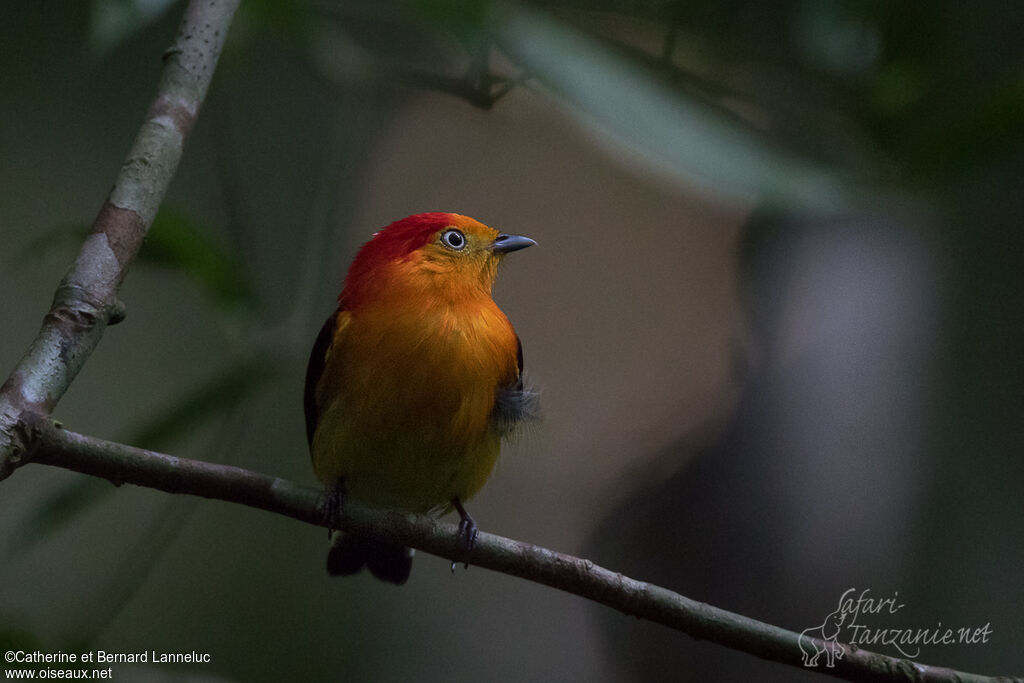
[50, 444]
[86, 299]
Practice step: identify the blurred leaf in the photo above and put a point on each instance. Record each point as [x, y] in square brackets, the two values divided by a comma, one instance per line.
[209, 401]
[58, 509]
[831, 38]
[177, 241]
[289, 16]
[384, 31]
[465, 20]
[217, 396]
[174, 241]
[114, 21]
[989, 131]
[670, 128]
[287, 20]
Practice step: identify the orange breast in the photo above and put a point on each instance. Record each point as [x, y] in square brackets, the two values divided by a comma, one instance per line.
[406, 398]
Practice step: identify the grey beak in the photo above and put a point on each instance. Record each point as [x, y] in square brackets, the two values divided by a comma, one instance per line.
[506, 243]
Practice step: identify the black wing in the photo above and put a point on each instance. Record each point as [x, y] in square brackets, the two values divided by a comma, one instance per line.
[517, 402]
[313, 371]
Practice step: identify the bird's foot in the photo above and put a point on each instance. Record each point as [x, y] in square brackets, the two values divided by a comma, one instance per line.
[466, 539]
[332, 507]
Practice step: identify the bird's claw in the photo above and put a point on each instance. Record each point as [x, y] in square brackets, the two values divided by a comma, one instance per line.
[466, 538]
[332, 507]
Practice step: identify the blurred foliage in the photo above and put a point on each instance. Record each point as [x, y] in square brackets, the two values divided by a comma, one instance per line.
[57, 510]
[207, 403]
[179, 242]
[175, 241]
[290, 20]
[836, 93]
[112, 21]
[803, 104]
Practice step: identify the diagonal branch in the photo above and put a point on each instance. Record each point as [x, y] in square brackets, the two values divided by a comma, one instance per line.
[52, 445]
[86, 299]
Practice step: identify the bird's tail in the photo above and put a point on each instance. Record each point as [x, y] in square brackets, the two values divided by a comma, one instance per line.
[349, 553]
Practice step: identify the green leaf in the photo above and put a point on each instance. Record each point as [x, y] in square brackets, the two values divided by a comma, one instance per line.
[177, 241]
[58, 509]
[466, 20]
[671, 129]
[210, 400]
[174, 241]
[111, 22]
[217, 396]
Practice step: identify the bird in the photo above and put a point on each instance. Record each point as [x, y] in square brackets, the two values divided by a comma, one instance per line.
[414, 381]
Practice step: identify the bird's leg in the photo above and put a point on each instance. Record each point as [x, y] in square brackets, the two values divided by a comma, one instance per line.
[466, 539]
[332, 506]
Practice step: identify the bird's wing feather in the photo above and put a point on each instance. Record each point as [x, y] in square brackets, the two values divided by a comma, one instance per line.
[519, 361]
[315, 368]
[517, 402]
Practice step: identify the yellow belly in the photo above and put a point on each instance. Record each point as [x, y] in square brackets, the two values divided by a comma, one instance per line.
[405, 405]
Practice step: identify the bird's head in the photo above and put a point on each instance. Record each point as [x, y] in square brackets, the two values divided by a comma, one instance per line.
[438, 251]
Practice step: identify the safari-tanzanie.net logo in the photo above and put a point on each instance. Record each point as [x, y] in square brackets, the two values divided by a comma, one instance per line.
[851, 622]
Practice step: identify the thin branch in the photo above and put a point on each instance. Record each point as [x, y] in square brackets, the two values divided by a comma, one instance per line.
[482, 90]
[86, 299]
[52, 445]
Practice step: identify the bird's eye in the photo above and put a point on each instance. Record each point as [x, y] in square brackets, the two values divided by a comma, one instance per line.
[453, 239]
